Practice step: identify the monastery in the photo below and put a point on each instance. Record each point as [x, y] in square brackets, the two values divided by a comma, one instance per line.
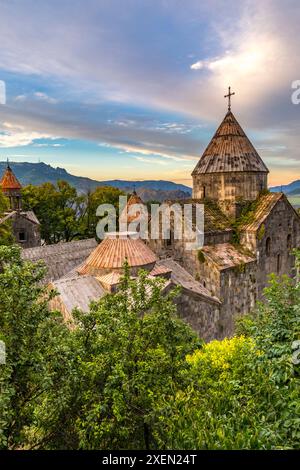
[249, 233]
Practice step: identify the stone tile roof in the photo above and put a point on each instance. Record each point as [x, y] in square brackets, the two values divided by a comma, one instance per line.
[29, 215]
[214, 218]
[9, 180]
[229, 150]
[225, 255]
[110, 279]
[181, 277]
[61, 258]
[160, 270]
[263, 208]
[7, 217]
[78, 291]
[112, 252]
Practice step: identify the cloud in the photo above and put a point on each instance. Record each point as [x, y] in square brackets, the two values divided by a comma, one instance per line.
[44, 97]
[17, 136]
[194, 51]
[150, 161]
[47, 145]
[198, 65]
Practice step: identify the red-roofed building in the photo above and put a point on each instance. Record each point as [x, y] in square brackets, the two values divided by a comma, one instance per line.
[25, 225]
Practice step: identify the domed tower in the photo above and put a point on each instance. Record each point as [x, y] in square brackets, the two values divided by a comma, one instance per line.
[230, 170]
[11, 188]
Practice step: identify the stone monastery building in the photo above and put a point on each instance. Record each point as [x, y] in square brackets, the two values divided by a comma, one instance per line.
[249, 233]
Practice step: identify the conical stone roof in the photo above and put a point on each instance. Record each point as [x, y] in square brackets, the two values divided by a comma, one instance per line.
[9, 180]
[230, 150]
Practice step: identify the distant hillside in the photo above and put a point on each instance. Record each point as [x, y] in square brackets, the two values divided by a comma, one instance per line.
[291, 188]
[38, 173]
[295, 192]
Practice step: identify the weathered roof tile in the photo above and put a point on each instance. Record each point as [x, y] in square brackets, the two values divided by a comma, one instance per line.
[229, 150]
[225, 255]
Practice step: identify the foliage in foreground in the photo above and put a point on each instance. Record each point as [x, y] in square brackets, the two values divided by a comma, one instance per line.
[244, 392]
[132, 375]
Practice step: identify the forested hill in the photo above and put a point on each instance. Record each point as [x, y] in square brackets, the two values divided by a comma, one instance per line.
[38, 173]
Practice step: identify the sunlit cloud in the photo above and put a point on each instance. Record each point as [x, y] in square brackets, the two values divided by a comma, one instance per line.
[151, 161]
[166, 106]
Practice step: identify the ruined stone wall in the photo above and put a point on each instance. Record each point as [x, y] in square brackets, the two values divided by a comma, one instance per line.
[201, 314]
[238, 294]
[230, 186]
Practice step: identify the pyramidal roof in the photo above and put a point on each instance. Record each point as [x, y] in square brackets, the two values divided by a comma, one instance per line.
[9, 180]
[229, 150]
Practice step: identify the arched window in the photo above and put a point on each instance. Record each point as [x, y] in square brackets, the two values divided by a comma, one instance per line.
[289, 241]
[268, 246]
[170, 239]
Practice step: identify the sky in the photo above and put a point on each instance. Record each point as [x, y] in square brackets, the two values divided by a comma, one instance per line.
[134, 89]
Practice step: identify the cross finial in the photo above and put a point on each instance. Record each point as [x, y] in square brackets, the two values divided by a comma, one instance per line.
[229, 97]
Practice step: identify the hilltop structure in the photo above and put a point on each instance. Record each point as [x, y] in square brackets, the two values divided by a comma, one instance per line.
[25, 225]
[248, 234]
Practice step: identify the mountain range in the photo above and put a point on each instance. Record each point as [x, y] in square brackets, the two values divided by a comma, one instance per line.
[291, 189]
[159, 190]
[38, 173]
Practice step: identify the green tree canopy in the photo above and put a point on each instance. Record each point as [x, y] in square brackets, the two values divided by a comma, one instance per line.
[63, 213]
[244, 392]
[130, 374]
[6, 237]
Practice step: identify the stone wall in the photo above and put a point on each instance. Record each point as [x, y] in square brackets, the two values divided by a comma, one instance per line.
[27, 233]
[274, 241]
[201, 314]
[218, 236]
[230, 186]
[238, 294]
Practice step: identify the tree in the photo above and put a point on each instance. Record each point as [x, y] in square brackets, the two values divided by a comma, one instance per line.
[64, 215]
[93, 386]
[58, 209]
[133, 351]
[6, 237]
[101, 195]
[38, 358]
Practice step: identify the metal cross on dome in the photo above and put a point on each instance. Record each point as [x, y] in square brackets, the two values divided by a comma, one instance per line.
[229, 97]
